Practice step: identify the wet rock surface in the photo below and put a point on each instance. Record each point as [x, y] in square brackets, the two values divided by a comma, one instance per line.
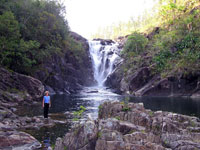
[132, 127]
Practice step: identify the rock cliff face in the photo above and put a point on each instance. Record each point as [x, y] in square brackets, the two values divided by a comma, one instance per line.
[15, 87]
[143, 82]
[65, 73]
[131, 127]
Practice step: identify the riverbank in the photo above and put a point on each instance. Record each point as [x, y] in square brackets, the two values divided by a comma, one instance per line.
[130, 126]
[21, 91]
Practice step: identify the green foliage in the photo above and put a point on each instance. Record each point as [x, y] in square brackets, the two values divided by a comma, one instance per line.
[125, 104]
[117, 117]
[126, 109]
[100, 107]
[169, 11]
[151, 113]
[53, 146]
[14, 51]
[78, 114]
[65, 147]
[32, 32]
[99, 134]
[173, 49]
[135, 44]
[189, 41]
[192, 123]
[161, 59]
[76, 48]
[75, 119]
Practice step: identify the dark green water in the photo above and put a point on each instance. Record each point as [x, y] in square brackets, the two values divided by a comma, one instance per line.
[91, 98]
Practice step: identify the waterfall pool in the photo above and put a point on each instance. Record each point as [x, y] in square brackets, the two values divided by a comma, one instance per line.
[91, 98]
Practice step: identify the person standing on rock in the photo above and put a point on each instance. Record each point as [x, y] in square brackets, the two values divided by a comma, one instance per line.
[46, 103]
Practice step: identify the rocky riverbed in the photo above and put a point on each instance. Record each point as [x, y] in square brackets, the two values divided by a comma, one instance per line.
[122, 126]
[18, 90]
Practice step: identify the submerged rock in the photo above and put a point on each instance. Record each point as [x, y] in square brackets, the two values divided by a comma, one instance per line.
[132, 127]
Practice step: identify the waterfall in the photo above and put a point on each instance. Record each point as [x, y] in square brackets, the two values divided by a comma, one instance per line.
[104, 57]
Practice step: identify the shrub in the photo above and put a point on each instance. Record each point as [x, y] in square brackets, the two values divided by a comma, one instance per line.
[135, 44]
[161, 59]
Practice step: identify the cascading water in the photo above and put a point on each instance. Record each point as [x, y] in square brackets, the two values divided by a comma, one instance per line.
[104, 58]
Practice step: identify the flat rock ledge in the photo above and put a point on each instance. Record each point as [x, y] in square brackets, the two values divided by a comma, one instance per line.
[132, 127]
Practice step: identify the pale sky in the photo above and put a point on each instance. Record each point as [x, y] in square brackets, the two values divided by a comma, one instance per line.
[86, 16]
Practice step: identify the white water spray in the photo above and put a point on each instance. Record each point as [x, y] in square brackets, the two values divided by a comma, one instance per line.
[104, 58]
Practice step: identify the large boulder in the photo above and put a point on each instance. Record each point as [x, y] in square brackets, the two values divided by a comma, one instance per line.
[81, 138]
[17, 141]
[114, 79]
[133, 81]
[16, 87]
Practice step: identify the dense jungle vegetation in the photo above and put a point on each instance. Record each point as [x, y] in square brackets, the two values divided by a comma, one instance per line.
[31, 32]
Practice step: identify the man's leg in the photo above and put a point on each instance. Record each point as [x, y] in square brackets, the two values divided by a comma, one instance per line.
[47, 110]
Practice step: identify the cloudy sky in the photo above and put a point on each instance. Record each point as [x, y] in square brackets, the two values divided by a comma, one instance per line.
[86, 16]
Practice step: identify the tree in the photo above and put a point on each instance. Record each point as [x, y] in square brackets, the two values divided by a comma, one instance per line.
[15, 53]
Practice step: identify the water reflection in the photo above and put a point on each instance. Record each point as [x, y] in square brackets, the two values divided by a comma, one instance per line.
[48, 135]
[46, 139]
[180, 105]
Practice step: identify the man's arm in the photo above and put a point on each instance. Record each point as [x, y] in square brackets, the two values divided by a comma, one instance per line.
[43, 102]
[50, 102]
